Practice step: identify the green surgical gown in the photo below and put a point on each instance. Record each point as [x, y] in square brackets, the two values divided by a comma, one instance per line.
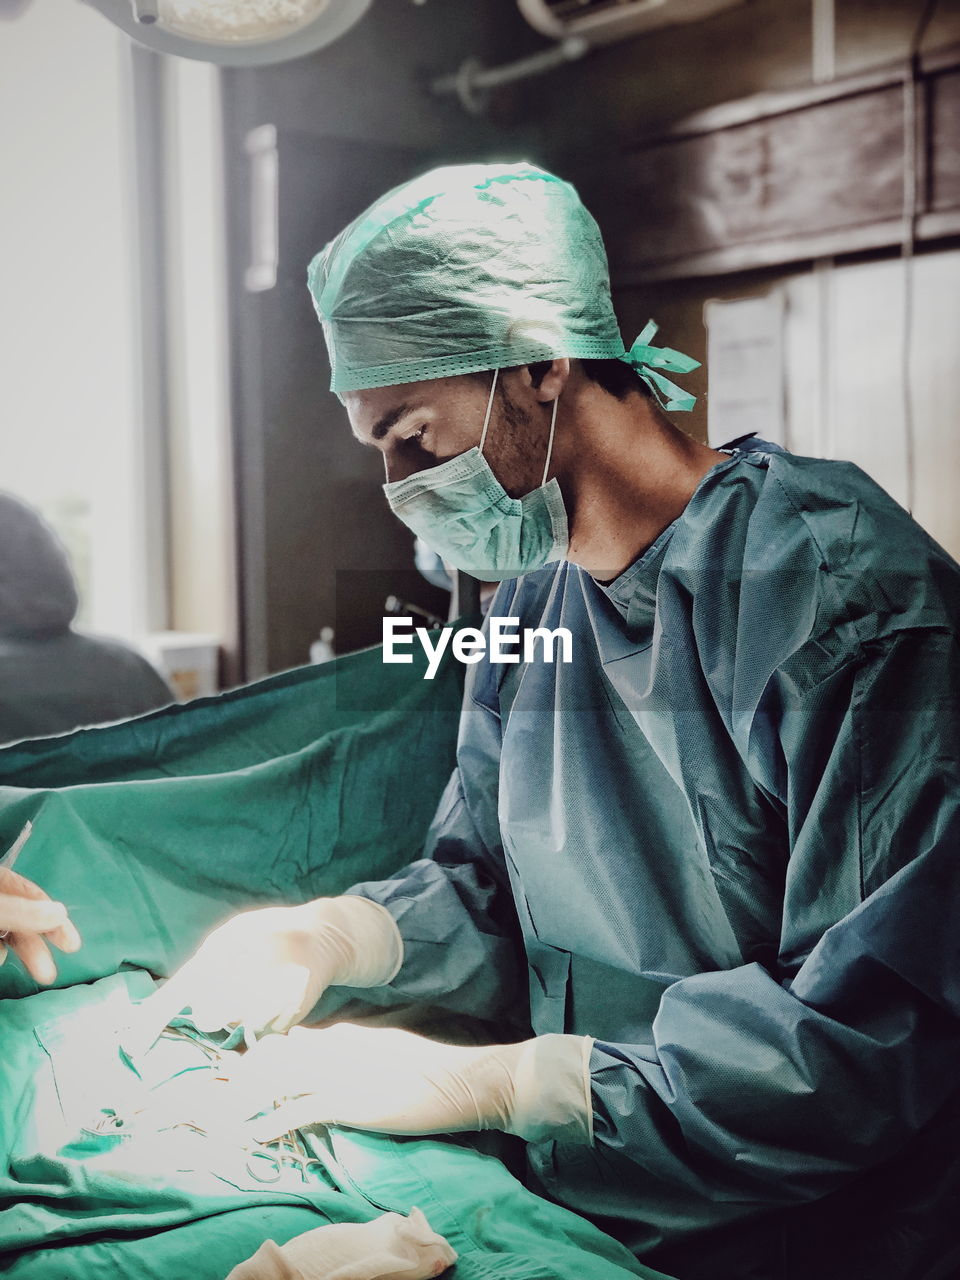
[725, 841]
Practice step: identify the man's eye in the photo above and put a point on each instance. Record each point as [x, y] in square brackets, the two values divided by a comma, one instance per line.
[416, 437]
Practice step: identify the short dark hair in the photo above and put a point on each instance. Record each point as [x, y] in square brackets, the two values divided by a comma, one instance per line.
[615, 376]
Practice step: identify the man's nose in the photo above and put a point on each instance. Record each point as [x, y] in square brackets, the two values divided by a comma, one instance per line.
[398, 468]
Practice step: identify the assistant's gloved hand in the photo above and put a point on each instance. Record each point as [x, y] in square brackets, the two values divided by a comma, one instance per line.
[28, 921]
[393, 1081]
[267, 968]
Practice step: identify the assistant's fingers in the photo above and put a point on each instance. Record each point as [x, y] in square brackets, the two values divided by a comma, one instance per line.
[30, 915]
[13, 882]
[53, 920]
[19, 886]
[63, 933]
[35, 957]
[66, 938]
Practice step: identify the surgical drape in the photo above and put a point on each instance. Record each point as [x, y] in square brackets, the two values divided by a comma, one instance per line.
[154, 830]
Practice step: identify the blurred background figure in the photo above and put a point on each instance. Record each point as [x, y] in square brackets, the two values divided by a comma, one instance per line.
[53, 678]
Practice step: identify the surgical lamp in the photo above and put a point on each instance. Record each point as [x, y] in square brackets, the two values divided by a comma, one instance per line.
[234, 33]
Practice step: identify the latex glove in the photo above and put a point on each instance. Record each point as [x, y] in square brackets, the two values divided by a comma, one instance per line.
[391, 1247]
[267, 968]
[394, 1081]
[28, 921]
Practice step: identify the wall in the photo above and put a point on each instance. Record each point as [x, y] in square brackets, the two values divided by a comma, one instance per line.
[846, 374]
[626, 92]
[69, 435]
[845, 365]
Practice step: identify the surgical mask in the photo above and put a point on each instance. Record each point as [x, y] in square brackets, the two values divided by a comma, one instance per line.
[463, 512]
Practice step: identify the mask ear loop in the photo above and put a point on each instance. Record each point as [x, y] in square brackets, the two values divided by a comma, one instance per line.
[553, 427]
[486, 420]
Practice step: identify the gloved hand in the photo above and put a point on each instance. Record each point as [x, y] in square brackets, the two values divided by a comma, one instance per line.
[267, 968]
[393, 1081]
[28, 921]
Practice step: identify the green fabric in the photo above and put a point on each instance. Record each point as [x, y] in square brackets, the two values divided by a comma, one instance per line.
[472, 267]
[154, 830]
[282, 792]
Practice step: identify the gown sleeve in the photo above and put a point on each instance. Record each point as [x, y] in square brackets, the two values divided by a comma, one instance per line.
[774, 1084]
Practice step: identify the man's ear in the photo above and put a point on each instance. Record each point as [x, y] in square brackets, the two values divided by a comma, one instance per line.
[554, 376]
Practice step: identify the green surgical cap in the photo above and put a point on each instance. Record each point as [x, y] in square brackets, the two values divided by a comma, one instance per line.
[473, 267]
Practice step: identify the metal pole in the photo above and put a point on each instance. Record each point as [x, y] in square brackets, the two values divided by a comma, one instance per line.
[472, 78]
[146, 159]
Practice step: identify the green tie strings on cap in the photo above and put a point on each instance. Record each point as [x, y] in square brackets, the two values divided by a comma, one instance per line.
[648, 360]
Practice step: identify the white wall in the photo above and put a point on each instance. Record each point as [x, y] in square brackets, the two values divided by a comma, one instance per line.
[201, 512]
[845, 378]
[68, 435]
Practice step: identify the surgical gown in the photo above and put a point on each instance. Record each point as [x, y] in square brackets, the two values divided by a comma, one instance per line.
[725, 841]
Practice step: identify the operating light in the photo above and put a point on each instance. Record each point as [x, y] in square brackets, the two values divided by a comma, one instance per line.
[234, 32]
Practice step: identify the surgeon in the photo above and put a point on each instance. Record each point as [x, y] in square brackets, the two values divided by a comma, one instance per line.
[705, 877]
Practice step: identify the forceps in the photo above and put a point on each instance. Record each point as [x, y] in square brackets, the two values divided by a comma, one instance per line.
[288, 1149]
[10, 857]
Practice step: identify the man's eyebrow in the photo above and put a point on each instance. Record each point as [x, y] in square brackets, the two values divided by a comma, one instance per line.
[390, 419]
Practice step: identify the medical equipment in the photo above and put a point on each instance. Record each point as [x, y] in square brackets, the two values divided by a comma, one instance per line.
[235, 33]
[606, 21]
[394, 607]
[577, 27]
[10, 857]
[265, 1162]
